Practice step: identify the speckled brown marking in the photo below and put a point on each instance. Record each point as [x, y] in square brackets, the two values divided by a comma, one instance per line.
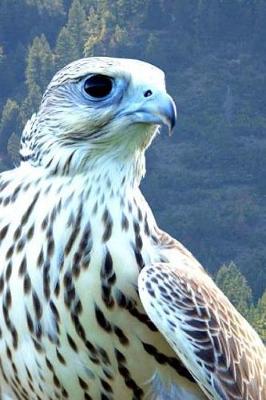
[60, 357]
[3, 232]
[15, 193]
[8, 271]
[124, 222]
[30, 233]
[45, 223]
[146, 226]
[91, 348]
[130, 306]
[3, 185]
[82, 383]
[21, 244]
[10, 252]
[7, 298]
[108, 374]
[57, 288]
[77, 309]
[138, 240]
[49, 364]
[123, 339]
[75, 231]
[64, 393]
[56, 168]
[172, 361]
[2, 283]
[6, 201]
[56, 380]
[46, 280]
[76, 265]
[78, 327]
[37, 305]
[66, 167]
[108, 279]
[53, 216]
[104, 356]
[29, 210]
[140, 216]
[54, 310]
[72, 343]
[125, 373]
[27, 284]
[50, 243]
[102, 321]
[28, 373]
[17, 233]
[139, 258]
[108, 225]
[40, 259]
[69, 292]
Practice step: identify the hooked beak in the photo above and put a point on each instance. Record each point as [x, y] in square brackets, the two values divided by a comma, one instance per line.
[159, 109]
[167, 112]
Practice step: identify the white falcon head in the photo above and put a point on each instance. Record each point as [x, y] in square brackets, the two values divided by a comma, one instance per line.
[98, 106]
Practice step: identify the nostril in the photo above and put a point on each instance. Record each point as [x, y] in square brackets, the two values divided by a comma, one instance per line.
[148, 93]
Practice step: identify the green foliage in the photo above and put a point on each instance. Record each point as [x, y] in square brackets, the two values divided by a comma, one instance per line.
[258, 317]
[76, 26]
[51, 7]
[31, 102]
[8, 124]
[235, 286]
[65, 48]
[71, 38]
[40, 64]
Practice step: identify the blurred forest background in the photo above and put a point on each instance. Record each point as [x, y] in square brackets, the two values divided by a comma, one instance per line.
[207, 183]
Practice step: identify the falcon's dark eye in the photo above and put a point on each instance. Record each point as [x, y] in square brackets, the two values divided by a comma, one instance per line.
[98, 86]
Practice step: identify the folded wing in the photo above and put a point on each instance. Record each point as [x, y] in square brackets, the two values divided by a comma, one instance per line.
[218, 346]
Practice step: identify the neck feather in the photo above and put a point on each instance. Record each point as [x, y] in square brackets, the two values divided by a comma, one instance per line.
[120, 162]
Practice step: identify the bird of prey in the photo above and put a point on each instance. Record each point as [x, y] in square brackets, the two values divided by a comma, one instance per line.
[97, 302]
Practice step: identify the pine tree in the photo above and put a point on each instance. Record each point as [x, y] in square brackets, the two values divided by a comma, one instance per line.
[76, 26]
[96, 31]
[39, 71]
[40, 64]
[235, 287]
[31, 103]
[258, 317]
[114, 27]
[65, 50]
[8, 125]
[52, 7]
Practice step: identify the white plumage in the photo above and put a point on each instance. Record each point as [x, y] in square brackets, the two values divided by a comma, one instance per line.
[76, 234]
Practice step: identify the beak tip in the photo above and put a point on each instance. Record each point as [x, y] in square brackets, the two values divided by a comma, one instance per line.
[172, 118]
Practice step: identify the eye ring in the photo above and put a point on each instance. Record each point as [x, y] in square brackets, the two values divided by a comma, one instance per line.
[98, 86]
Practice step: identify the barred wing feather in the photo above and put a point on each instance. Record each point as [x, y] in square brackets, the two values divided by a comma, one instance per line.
[218, 346]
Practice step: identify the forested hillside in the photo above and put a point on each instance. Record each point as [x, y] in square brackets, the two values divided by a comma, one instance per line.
[207, 182]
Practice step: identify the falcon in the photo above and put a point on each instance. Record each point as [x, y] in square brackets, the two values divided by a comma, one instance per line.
[97, 302]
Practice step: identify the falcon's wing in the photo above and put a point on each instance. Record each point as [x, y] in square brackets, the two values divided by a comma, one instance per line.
[216, 344]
